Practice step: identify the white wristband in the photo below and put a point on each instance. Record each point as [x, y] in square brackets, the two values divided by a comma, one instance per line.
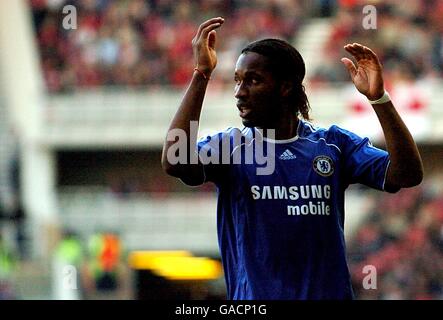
[384, 98]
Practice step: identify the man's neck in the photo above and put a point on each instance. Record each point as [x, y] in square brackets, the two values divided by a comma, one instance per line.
[285, 129]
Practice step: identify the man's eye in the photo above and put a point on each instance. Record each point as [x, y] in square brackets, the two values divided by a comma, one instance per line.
[255, 81]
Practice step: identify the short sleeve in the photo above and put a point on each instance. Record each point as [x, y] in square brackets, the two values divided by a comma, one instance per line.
[363, 163]
[214, 153]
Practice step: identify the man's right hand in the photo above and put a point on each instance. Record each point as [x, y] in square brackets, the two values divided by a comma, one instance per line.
[203, 45]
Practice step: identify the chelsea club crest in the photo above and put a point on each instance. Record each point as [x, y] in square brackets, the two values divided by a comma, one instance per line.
[323, 165]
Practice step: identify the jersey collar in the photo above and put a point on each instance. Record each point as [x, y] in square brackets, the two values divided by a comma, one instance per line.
[259, 133]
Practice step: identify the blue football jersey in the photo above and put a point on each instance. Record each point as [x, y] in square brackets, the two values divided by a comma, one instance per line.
[281, 235]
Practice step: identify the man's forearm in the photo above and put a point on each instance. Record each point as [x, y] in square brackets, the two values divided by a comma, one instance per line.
[406, 168]
[189, 110]
[191, 105]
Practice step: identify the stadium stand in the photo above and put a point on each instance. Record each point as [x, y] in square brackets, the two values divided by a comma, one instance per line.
[146, 43]
[402, 237]
[408, 39]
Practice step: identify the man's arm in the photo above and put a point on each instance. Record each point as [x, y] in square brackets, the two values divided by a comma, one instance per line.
[190, 108]
[406, 167]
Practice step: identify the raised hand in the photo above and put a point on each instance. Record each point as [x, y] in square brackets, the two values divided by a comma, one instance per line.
[367, 74]
[203, 45]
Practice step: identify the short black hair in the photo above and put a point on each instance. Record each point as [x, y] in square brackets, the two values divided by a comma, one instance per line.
[287, 64]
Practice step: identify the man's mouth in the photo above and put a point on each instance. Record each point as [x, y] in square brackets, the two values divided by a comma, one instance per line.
[243, 110]
[244, 113]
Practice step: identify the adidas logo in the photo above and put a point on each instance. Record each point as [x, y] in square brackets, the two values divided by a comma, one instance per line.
[287, 155]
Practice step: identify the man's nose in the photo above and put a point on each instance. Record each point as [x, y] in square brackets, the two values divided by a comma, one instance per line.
[240, 91]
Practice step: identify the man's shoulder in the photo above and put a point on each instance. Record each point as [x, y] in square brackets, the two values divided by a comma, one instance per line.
[229, 132]
[309, 129]
[333, 134]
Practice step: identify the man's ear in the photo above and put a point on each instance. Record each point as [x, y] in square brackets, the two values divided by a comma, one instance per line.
[286, 88]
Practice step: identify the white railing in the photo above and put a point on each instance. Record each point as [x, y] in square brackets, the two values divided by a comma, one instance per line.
[140, 118]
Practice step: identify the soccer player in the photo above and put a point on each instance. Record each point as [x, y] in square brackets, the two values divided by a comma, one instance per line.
[281, 234]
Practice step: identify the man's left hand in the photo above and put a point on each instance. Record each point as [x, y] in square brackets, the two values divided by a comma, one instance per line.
[367, 73]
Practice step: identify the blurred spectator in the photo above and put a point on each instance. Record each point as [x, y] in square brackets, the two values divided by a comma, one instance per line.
[69, 259]
[16, 214]
[7, 268]
[105, 274]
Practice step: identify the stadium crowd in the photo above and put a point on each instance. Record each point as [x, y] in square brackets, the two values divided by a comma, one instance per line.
[402, 237]
[407, 38]
[147, 43]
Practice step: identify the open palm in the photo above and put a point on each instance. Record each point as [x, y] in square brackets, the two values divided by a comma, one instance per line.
[367, 73]
[204, 45]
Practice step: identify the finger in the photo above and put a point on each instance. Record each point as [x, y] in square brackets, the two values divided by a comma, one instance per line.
[354, 48]
[350, 66]
[352, 45]
[371, 54]
[211, 27]
[355, 51]
[364, 51]
[212, 39]
[207, 23]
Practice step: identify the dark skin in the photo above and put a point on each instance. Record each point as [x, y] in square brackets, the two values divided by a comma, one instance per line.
[262, 99]
[406, 168]
[189, 110]
[262, 103]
